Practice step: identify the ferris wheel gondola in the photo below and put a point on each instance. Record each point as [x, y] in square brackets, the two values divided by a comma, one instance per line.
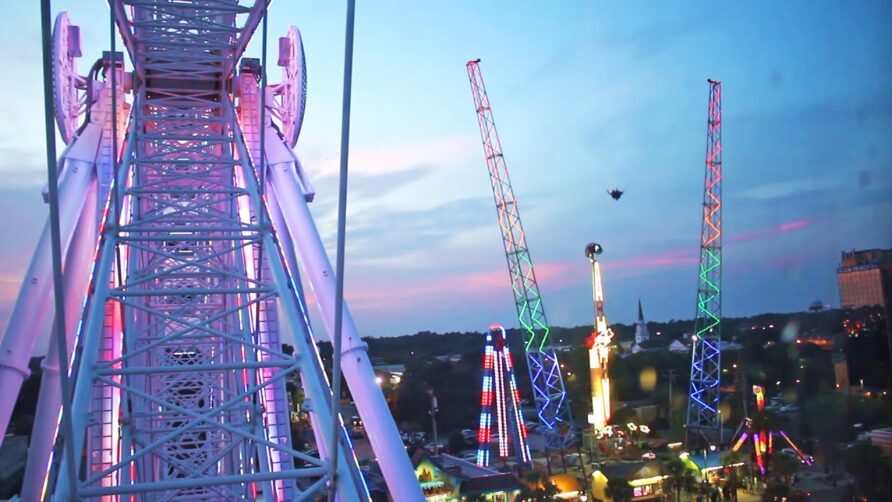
[289, 95]
[70, 98]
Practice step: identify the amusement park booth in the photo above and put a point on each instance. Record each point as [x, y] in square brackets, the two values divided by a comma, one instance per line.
[568, 485]
[447, 478]
[645, 479]
[710, 467]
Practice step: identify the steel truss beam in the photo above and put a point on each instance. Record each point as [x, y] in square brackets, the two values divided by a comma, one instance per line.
[287, 193]
[703, 414]
[179, 372]
[542, 363]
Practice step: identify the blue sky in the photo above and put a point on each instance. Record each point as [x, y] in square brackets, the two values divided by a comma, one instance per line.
[587, 96]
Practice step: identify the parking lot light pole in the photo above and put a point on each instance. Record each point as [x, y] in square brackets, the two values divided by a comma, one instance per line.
[433, 413]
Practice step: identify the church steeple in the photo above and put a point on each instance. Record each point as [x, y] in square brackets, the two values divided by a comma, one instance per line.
[641, 334]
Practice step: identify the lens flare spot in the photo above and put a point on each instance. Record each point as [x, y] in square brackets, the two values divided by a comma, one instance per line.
[790, 332]
[725, 410]
[647, 379]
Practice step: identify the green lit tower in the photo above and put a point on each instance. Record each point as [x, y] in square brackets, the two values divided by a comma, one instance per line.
[703, 416]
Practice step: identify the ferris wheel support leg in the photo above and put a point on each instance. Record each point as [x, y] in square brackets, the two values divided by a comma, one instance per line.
[46, 418]
[284, 237]
[88, 346]
[28, 317]
[357, 369]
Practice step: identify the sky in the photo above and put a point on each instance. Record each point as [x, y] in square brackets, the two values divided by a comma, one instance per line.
[587, 96]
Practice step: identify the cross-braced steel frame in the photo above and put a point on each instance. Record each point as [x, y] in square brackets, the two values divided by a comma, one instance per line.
[703, 412]
[180, 373]
[175, 352]
[542, 362]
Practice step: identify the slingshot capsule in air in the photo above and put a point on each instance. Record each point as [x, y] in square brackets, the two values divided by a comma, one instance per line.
[616, 193]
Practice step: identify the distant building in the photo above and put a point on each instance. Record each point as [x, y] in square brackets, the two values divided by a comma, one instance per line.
[626, 346]
[453, 358]
[645, 479]
[865, 278]
[641, 334]
[709, 465]
[841, 371]
[656, 345]
[390, 373]
[444, 477]
[678, 347]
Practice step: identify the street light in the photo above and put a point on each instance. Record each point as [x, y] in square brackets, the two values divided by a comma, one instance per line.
[433, 414]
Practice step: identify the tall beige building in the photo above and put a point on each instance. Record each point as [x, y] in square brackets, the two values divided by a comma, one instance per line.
[865, 278]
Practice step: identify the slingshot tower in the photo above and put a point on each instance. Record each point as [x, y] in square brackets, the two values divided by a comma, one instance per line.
[706, 367]
[183, 227]
[552, 405]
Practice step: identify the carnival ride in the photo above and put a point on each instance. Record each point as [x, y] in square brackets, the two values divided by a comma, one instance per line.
[703, 414]
[186, 242]
[552, 404]
[763, 439]
[500, 403]
[598, 345]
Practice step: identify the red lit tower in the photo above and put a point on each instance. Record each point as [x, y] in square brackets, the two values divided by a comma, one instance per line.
[500, 399]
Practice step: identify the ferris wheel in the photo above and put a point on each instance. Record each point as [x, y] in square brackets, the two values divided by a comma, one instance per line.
[178, 376]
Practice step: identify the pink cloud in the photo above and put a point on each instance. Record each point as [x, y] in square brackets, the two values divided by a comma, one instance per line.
[669, 258]
[783, 228]
[490, 287]
[689, 255]
[482, 287]
[396, 157]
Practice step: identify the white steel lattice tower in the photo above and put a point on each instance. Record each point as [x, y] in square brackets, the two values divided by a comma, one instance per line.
[552, 404]
[178, 366]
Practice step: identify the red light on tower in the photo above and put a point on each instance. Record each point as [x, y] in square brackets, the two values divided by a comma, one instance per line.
[500, 402]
